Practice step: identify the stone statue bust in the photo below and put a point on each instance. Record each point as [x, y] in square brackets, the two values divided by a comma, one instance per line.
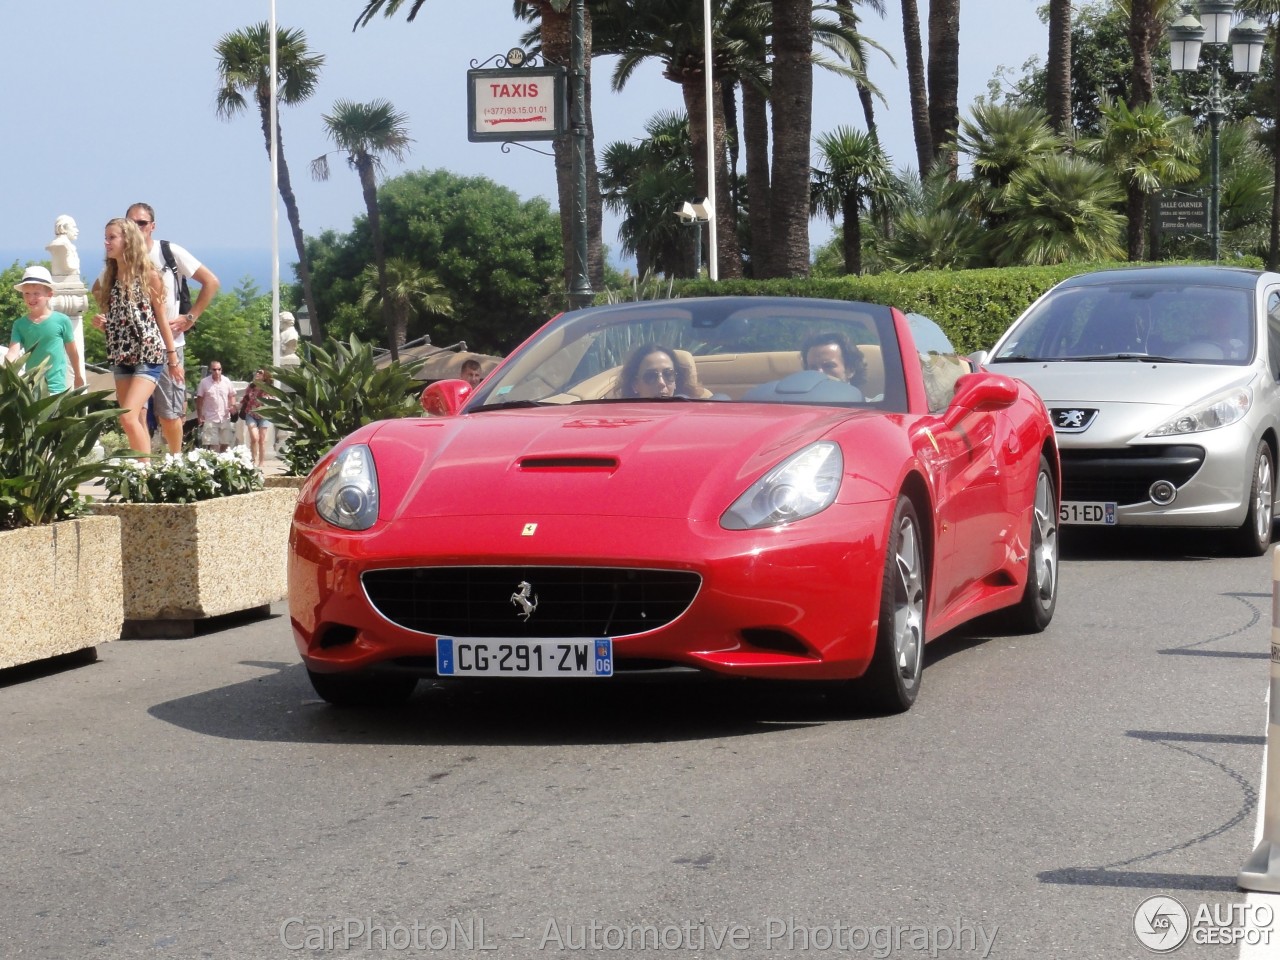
[288, 335]
[62, 248]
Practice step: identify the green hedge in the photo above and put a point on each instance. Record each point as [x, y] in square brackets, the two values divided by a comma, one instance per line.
[973, 307]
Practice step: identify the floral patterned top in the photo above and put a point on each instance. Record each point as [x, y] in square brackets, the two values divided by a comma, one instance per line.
[253, 395]
[133, 336]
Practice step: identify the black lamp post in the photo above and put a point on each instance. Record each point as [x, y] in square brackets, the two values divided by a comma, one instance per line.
[1186, 35]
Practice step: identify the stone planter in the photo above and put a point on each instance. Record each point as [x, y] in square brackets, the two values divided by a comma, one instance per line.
[292, 483]
[186, 562]
[63, 588]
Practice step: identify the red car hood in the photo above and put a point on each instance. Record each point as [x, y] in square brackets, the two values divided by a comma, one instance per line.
[639, 460]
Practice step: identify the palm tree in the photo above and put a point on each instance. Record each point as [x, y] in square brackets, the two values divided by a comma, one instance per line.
[1001, 138]
[853, 170]
[646, 182]
[848, 18]
[403, 290]
[554, 45]
[244, 67]
[1059, 208]
[934, 226]
[671, 31]
[1145, 21]
[792, 126]
[1058, 66]
[944, 74]
[919, 93]
[1148, 151]
[366, 132]
[1269, 9]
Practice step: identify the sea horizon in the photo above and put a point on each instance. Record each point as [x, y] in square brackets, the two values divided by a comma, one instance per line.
[230, 265]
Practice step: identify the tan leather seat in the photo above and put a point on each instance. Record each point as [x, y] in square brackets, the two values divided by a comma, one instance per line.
[687, 372]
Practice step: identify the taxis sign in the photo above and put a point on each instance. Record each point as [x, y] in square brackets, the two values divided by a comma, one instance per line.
[525, 104]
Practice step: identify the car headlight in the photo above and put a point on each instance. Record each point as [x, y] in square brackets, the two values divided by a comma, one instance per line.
[348, 493]
[802, 485]
[1209, 414]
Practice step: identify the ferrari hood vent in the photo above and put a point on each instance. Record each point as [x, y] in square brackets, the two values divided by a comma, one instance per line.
[569, 463]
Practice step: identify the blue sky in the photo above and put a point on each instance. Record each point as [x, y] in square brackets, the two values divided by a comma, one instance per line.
[115, 103]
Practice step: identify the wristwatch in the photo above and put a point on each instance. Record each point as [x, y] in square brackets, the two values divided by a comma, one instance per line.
[192, 318]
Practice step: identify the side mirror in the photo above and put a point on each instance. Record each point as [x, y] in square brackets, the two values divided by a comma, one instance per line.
[979, 359]
[445, 398]
[980, 391]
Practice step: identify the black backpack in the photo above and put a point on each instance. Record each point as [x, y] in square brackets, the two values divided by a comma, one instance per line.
[179, 281]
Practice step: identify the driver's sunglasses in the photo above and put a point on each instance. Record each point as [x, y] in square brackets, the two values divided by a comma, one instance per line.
[653, 376]
[142, 223]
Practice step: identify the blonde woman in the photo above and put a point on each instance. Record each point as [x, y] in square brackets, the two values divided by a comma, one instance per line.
[140, 344]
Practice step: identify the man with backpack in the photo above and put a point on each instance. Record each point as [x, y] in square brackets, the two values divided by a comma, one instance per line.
[176, 266]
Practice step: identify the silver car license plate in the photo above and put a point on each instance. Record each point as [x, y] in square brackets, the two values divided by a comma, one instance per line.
[523, 658]
[1087, 512]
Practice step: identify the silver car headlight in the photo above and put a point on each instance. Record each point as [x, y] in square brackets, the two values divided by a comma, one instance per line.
[348, 493]
[1209, 414]
[802, 485]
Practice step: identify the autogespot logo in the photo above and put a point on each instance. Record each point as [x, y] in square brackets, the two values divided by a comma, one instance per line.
[1161, 924]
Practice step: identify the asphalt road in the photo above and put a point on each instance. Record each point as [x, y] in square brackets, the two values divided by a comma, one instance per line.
[193, 798]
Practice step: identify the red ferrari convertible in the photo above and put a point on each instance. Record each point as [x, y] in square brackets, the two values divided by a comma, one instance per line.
[746, 487]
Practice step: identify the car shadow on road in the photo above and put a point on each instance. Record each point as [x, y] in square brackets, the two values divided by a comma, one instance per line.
[281, 706]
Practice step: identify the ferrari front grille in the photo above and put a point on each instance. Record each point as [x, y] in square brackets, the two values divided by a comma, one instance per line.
[530, 602]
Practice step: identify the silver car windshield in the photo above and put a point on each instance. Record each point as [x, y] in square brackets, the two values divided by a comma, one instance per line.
[1200, 324]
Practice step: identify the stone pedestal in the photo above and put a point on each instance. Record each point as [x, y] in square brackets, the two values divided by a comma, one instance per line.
[63, 588]
[186, 562]
[71, 296]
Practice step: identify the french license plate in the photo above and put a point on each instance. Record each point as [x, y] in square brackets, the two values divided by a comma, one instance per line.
[1083, 512]
[523, 658]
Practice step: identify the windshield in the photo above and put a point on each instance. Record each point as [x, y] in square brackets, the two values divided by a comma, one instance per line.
[731, 349]
[1194, 324]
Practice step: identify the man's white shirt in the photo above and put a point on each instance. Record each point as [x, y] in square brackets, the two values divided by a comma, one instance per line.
[187, 266]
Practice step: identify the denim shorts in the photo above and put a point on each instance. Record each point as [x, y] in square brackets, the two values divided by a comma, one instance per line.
[147, 371]
[253, 420]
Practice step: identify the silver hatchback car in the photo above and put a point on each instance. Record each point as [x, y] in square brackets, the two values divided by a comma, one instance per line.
[1164, 388]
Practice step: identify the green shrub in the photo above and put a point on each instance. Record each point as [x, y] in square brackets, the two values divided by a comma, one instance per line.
[333, 392]
[46, 445]
[973, 307]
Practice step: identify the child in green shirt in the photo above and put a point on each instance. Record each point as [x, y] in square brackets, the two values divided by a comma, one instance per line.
[44, 334]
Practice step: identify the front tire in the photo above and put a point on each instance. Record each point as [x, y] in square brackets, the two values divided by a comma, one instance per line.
[892, 680]
[362, 689]
[1254, 536]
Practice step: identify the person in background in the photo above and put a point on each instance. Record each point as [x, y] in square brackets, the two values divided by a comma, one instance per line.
[255, 426]
[471, 372]
[44, 334]
[170, 397]
[215, 401]
[140, 344]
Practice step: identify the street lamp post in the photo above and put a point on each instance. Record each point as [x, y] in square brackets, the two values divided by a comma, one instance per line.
[1186, 36]
[695, 215]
